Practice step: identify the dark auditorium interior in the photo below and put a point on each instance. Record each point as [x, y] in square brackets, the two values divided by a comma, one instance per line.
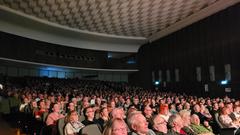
[119, 67]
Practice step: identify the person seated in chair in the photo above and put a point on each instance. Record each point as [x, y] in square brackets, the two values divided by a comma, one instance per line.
[23, 104]
[103, 117]
[199, 129]
[71, 107]
[89, 116]
[73, 126]
[225, 119]
[118, 113]
[54, 116]
[42, 109]
[52, 119]
[186, 116]
[164, 111]
[138, 124]
[159, 125]
[116, 126]
[148, 112]
[235, 115]
[175, 123]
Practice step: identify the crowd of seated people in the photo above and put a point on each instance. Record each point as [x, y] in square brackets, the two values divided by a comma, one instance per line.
[38, 104]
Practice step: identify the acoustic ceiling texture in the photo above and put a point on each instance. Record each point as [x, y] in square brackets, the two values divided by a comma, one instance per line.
[146, 19]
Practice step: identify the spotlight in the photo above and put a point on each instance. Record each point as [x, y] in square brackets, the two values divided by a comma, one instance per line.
[156, 82]
[224, 82]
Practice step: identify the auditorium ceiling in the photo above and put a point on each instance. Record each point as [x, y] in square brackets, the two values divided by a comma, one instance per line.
[143, 20]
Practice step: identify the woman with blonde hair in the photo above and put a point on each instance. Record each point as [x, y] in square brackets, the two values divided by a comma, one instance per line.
[73, 126]
[116, 126]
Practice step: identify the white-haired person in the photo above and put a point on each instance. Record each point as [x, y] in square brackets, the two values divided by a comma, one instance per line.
[186, 117]
[138, 124]
[116, 126]
[159, 125]
[175, 123]
[118, 113]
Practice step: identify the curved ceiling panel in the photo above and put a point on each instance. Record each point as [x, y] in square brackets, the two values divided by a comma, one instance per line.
[124, 22]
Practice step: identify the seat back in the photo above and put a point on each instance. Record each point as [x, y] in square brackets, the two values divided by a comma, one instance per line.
[97, 115]
[216, 116]
[44, 117]
[46, 130]
[81, 118]
[91, 130]
[60, 126]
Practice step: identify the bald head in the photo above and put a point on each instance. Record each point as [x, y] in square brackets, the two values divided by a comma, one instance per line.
[195, 119]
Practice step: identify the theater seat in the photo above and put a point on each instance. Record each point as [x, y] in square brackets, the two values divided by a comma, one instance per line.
[60, 125]
[44, 117]
[91, 130]
[97, 115]
[46, 130]
[81, 118]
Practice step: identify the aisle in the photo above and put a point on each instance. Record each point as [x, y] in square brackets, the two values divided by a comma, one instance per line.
[6, 129]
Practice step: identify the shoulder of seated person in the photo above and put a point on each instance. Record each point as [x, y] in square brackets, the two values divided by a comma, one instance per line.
[151, 132]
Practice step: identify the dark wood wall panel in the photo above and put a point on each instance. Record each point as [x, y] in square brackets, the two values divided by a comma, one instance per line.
[213, 41]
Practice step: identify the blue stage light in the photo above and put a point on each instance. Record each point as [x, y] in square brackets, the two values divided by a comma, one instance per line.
[224, 82]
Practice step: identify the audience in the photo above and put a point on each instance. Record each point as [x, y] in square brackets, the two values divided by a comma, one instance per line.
[110, 104]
